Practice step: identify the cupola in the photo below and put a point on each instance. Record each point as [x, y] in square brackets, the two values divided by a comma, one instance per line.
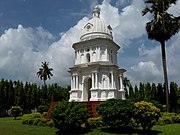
[96, 28]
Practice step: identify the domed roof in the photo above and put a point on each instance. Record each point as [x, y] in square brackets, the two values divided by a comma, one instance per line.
[96, 28]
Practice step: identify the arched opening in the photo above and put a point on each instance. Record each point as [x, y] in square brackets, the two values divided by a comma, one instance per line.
[88, 57]
[87, 87]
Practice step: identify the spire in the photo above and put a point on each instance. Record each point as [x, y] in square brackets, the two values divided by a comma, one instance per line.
[96, 11]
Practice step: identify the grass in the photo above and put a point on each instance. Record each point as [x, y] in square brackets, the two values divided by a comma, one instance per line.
[9, 126]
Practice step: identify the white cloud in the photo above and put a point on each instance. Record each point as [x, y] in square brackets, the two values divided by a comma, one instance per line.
[175, 9]
[128, 24]
[23, 49]
[144, 71]
[151, 68]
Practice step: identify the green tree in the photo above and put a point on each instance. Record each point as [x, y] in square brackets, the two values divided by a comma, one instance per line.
[141, 91]
[161, 28]
[146, 114]
[148, 91]
[116, 113]
[45, 72]
[154, 91]
[160, 93]
[69, 116]
[126, 84]
[15, 111]
[173, 95]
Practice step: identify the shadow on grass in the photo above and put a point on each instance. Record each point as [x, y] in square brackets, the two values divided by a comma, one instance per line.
[129, 130]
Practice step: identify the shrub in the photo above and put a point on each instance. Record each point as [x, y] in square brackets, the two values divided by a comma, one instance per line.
[50, 123]
[32, 119]
[95, 122]
[176, 118]
[15, 111]
[69, 116]
[146, 114]
[169, 118]
[42, 109]
[41, 122]
[116, 112]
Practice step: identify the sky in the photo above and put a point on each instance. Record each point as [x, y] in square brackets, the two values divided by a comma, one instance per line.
[32, 31]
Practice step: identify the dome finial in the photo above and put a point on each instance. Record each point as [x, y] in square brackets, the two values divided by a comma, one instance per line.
[96, 11]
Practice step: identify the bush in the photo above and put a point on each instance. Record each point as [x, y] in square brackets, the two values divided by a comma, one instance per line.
[116, 112]
[169, 118]
[95, 122]
[50, 123]
[146, 114]
[16, 111]
[42, 109]
[39, 122]
[69, 116]
[176, 118]
[32, 119]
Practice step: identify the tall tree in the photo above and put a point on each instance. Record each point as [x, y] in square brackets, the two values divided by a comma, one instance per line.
[161, 28]
[126, 84]
[45, 72]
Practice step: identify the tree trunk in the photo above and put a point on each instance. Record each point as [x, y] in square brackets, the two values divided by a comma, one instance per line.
[44, 81]
[163, 49]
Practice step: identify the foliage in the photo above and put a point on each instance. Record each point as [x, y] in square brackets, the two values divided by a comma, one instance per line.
[39, 122]
[8, 126]
[42, 109]
[50, 123]
[28, 95]
[115, 112]
[68, 116]
[16, 111]
[169, 118]
[95, 122]
[161, 28]
[32, 119]
[146, 114]
[45, 72]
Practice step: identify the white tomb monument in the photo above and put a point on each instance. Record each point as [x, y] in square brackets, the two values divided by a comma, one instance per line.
[95, 75]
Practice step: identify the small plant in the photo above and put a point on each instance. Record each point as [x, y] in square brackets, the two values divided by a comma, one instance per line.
[69, 116]
[146, 114]
[50, 123]
[16, 111]
[32, 119]
[95, 122]
[116, 113]
[42, 109]
[169, 118]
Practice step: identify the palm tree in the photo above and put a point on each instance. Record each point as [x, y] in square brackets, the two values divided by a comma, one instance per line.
[161, 28]
[126, 84]
[44, 72]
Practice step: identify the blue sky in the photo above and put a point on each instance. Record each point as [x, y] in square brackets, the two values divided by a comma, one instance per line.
[32, 31]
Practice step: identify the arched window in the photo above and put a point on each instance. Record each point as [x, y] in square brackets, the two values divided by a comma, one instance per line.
[94, 56]
[88, 57]
[82, 58]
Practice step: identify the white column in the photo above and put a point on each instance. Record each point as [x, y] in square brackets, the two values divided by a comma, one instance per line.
[112, 80]
[96, 80]
[121, 82]
[92, 80]
[76, 81]
[98, 52]
[71, 82]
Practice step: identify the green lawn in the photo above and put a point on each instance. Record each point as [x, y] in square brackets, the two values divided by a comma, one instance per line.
[9, 126]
